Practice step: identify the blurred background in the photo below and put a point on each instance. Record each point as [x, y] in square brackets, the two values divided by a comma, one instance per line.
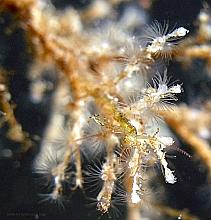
[19, 191]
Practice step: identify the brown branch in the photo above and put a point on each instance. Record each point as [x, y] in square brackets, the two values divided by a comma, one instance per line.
[176, 120]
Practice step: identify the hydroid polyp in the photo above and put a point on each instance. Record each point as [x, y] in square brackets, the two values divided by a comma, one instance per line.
[162, 42]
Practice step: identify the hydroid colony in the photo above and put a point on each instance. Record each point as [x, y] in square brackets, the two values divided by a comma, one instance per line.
[105, 102]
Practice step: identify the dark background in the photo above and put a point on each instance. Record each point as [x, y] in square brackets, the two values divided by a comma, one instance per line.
[18, 187]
